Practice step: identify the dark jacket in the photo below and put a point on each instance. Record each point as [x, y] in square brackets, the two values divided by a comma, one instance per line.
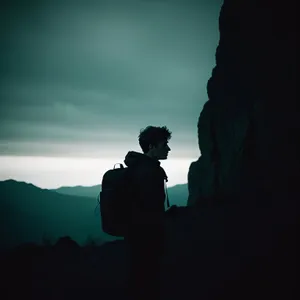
[148, 183]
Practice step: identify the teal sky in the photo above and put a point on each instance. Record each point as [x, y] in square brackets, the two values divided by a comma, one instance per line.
[78, 80]
[81, 80]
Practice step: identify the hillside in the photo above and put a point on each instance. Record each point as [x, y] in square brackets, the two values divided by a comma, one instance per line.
[82, 191]
[178, 194]
[31, 214]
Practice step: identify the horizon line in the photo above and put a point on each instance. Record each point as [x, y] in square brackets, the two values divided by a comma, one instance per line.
[67, 186]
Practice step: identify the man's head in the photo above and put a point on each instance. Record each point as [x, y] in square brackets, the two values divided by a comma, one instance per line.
[154, 141]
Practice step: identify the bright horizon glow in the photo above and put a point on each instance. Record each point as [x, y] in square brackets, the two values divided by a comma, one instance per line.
[55, 172]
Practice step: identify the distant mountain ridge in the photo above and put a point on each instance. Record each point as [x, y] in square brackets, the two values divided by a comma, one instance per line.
[178, 194]
[79, 190]
[31, 214]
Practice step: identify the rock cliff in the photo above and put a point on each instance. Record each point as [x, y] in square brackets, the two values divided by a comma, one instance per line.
[249, 128]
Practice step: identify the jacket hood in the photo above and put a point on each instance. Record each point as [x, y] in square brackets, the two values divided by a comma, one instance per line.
[134, 158]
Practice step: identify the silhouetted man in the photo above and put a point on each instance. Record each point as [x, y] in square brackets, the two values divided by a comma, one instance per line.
[146, 233]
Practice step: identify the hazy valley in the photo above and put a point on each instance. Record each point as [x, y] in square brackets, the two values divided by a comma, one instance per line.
[33, 215]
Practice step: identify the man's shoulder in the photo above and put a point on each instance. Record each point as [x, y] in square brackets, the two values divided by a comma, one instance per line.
[144, 169]
[147, 170]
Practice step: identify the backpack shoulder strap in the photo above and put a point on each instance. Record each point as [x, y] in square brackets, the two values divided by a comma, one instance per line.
[166, 190]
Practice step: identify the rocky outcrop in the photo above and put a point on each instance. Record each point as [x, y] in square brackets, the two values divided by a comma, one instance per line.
[245, 182]
[249, 127]
[202, 173]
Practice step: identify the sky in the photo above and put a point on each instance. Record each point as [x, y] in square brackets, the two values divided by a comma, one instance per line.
[79, 80]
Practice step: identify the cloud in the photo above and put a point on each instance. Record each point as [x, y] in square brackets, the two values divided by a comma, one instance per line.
[94, 74]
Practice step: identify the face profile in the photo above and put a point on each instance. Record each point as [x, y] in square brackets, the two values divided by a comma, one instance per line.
[154, 142]
[160, 151]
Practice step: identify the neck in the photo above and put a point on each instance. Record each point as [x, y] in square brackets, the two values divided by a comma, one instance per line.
[151, 156]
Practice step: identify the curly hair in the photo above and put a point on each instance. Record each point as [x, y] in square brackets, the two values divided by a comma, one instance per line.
[153, 135]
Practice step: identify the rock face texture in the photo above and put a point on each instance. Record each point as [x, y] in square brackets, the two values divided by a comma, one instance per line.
[249, 128]
[243, 190]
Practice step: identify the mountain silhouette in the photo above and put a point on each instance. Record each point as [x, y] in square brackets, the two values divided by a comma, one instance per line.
[178, 194]
[30, 214]
[81, 191]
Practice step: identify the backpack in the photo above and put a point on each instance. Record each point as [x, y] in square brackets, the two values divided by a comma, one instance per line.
[113, 199]
[116, 192]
